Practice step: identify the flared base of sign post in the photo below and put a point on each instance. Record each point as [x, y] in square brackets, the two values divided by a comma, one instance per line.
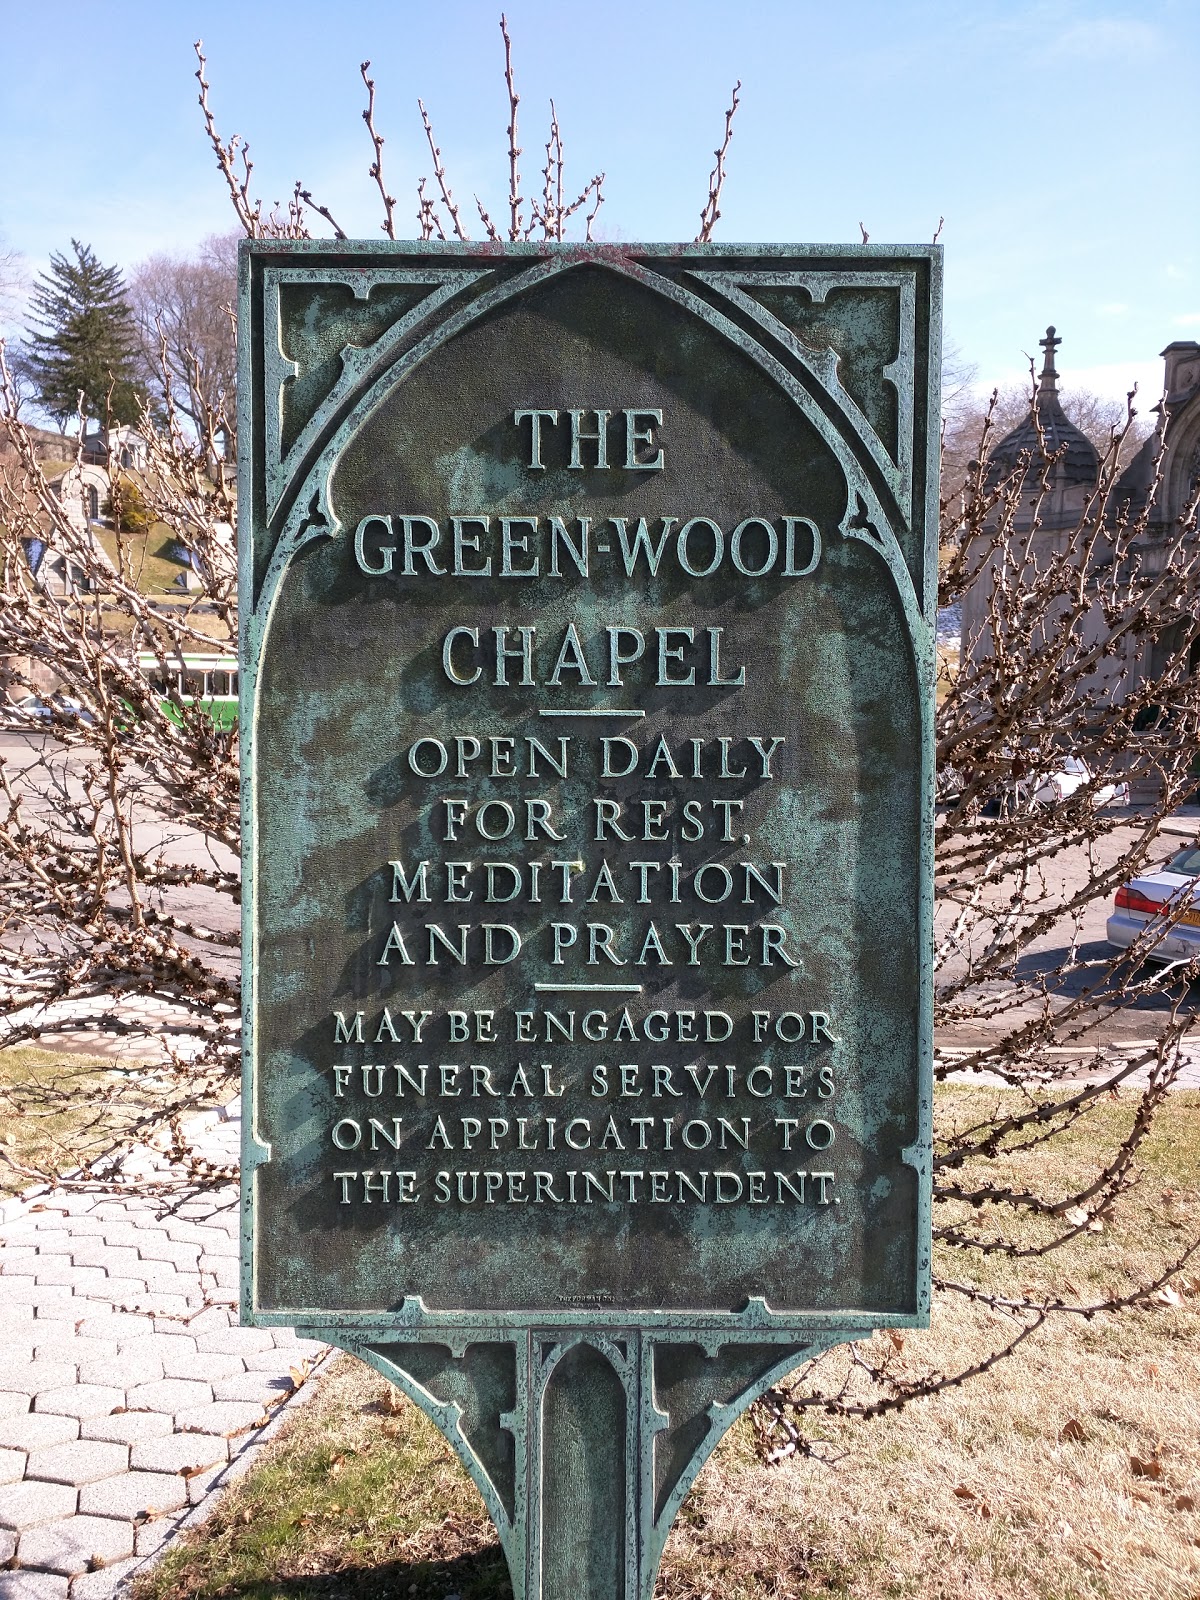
[583, 1445]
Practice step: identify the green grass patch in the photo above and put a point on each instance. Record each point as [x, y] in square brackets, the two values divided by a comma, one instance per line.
[144, 557]
[361, 1498]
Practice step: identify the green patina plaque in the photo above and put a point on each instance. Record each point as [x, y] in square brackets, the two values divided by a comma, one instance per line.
[587, 608]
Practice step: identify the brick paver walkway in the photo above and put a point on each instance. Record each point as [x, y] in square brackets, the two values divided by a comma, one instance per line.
[127, 1390]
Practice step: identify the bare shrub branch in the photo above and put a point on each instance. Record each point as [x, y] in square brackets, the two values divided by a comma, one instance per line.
[427, 218]
[322, 211]
[247, 209]
[716, 178]
[550, 215]
[514, 150]
[439, 173]
[249, 212]
[490, 227]
[376, 168]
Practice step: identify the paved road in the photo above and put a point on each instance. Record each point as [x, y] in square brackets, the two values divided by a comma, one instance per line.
[179, 846]
[1070, 960]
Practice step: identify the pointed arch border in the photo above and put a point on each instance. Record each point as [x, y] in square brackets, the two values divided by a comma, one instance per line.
[299, 507]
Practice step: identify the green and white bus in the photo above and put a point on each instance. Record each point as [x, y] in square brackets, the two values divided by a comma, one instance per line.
[207, 681]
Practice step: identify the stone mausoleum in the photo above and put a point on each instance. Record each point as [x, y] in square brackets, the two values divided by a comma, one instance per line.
[1160, 481]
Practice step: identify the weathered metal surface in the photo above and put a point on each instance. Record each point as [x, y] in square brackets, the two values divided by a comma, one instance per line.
[587, 661]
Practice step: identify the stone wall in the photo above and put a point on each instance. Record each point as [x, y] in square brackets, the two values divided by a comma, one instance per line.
[47, 446]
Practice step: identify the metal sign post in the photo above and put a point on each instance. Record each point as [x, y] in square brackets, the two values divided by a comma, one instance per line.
[587, 609]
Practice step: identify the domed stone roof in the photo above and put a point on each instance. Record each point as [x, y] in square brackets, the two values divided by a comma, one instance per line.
[1078, 462]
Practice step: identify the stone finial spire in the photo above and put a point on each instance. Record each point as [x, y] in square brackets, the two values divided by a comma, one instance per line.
[1049, 379]
[1047, 427]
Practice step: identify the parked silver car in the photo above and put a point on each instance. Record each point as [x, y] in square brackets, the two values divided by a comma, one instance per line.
[32, 710]
[1045, 790]
[1169, 897]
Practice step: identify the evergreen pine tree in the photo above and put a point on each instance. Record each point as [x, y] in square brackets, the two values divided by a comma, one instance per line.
[85, 341]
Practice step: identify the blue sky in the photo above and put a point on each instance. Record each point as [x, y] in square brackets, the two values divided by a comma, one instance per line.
[1058, 140]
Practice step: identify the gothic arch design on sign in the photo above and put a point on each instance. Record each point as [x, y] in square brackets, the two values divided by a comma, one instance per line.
[823, 341]
[299, 506]
[304, 512]
[347, 346]
[633, 1417]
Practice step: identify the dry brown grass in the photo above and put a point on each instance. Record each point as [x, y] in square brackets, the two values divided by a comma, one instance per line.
[979, 1494]
[1070, 1472]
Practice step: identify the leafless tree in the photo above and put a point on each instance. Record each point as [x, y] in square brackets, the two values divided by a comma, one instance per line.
[958, 377]
[13, 280]
[183, 309]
